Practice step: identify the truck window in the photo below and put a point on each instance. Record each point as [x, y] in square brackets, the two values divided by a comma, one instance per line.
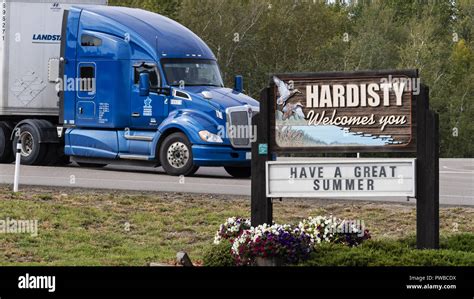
[193, 72]
[87, 78]
[90, 41]
[152, 70]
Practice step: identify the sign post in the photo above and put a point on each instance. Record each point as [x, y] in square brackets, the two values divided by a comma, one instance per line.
[261, 205]
[356, 112]
[427, 197]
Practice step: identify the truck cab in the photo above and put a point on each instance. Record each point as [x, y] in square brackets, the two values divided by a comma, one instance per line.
[137, 87]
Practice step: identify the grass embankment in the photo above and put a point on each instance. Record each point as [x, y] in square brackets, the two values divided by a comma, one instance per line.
[86, 227]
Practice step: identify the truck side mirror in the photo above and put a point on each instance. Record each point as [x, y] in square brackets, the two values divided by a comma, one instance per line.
[144, 84]
[239, 83]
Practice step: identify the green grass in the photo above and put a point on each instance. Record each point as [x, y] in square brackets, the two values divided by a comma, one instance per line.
[87, 227]
[111, 229]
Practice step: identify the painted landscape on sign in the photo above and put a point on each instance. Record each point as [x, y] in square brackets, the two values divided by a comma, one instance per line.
[327, 136]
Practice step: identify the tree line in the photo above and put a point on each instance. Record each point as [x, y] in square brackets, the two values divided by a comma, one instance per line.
[255, 38]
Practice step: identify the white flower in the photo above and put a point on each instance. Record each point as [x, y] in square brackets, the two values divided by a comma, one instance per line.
[217, 239]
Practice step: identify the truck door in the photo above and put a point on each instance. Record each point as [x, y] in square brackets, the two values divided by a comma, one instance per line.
[147, 112]
[85, 107]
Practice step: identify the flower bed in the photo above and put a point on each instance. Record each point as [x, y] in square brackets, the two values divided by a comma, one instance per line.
[231, 229]
[289, 244]
[333, 230]
[277, 241]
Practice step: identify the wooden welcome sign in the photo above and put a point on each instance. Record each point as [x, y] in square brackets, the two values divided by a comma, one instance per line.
[336, 112]
[348, 112]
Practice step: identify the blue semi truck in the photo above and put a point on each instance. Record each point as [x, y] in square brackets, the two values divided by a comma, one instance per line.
[131, 87]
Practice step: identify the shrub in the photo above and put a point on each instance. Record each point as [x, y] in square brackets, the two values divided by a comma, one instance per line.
[394, 253]
[219, 255]
[437, 258]
[461, 242]
[341, 255]
[401, 252]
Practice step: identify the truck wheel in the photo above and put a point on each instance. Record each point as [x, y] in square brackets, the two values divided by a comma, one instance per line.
[238, 172]
[32, 152]
[6, 150]
[176, 155]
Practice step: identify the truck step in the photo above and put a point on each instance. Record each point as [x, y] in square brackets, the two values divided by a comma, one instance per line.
[134, 157]
[138, 137]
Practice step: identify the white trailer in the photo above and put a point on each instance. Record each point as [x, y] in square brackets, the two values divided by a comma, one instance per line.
[29, 55]
[30, 45]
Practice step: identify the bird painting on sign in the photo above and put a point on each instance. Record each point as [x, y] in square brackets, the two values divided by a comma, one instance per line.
[285, 92]
[293, 111]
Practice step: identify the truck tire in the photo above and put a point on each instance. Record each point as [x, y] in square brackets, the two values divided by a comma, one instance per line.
[238, 172]
[32, 152]
[7, 155]
[176, 155]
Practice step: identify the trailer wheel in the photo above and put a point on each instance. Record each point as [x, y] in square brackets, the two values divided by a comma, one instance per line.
[239, 172]
[32, 152]
[6, 150]
[176, 155]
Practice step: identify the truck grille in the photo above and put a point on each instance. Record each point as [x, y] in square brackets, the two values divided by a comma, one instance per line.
[239, 122]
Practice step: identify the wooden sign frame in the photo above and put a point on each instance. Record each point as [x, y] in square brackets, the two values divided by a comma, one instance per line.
[425, 143]
[376, 75]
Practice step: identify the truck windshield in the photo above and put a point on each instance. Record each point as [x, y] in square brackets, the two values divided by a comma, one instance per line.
[192, 72]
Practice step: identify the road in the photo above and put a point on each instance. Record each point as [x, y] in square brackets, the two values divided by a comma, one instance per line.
[456, 180]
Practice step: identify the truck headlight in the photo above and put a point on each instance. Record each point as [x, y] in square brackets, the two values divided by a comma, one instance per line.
[209, 137]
